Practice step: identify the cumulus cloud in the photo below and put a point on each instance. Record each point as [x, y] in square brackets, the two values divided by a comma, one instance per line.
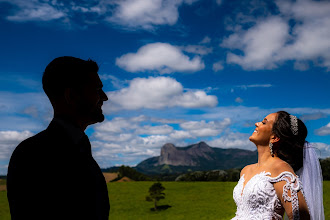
[321, 149]
[35, 11]
[23, 102]
[206, 129]
[157, 93]
[9, 140]
[115, 81]
[260, 44]
[154, 130]
[198, 49]
[233, 140]
[135, 140]
[217, 66]
[325, 130]
[22, 109]
[129, 14]
[270, 41]
[206, 40]
[314, 116]
[146, 14]
[160, 57]
[131, 140]
[254, 114]
[117, 125]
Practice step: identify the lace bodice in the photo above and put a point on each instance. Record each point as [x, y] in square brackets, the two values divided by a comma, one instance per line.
[258, 199]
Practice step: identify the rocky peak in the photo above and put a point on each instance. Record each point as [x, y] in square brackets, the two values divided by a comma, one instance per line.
[189, 156]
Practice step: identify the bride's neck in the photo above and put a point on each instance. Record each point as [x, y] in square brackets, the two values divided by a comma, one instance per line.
[263, 155]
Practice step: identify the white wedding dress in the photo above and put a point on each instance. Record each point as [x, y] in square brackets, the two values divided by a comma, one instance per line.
[258, 200]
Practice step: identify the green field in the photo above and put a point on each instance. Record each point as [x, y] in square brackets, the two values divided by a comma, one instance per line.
[188, 200]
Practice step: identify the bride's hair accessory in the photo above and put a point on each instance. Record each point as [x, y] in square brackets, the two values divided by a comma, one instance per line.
[294, 124]
[271, 149]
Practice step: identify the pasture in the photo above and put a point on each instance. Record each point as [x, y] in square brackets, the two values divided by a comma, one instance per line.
[188, 200]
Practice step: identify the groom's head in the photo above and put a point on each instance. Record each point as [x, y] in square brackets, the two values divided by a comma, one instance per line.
[75, 89]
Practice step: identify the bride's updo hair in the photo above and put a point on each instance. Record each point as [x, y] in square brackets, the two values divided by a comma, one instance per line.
[291, 144]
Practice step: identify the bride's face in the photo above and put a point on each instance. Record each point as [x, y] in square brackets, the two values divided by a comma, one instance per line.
[263, 132]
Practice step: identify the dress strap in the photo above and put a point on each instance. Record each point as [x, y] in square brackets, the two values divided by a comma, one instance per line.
[293, 185]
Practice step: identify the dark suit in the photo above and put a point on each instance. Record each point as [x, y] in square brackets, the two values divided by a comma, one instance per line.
[51, 177]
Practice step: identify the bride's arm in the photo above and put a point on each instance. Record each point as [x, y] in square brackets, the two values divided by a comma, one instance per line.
[288, 190]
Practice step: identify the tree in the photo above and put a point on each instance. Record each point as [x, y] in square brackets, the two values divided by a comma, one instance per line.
[156, 193]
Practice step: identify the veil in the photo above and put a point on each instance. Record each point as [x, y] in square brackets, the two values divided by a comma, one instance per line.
[311, 177]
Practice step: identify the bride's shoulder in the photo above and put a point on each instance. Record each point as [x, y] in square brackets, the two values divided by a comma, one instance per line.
[279, 167]
[247, 169]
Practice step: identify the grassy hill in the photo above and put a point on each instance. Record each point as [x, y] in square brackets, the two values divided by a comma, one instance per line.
[188, 200]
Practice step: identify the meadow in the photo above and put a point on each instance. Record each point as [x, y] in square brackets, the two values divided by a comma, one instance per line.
[188, 200]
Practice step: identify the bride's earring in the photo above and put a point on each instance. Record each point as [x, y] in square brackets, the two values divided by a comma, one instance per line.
[271, 149]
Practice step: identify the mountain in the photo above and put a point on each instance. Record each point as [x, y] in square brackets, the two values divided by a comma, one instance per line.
[194, 157]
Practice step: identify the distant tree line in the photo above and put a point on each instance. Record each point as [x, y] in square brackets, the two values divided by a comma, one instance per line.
[234, 174]
[126, 171]
[213, 175]
[325, 165]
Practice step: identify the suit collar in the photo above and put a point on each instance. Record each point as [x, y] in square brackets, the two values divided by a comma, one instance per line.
[73, 132]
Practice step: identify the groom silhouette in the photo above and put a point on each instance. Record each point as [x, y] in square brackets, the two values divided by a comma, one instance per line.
[53, 175]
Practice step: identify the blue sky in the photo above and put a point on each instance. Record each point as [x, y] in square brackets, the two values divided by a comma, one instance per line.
[175, 71]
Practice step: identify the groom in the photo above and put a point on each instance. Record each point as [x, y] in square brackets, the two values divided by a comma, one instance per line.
[53, 175]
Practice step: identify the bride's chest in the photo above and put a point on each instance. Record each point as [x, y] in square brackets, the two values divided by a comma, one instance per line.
[258, 191]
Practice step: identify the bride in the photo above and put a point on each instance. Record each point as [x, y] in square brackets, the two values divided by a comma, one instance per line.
[272, 187]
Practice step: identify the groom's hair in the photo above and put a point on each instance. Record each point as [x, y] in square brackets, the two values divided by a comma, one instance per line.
[66, 72]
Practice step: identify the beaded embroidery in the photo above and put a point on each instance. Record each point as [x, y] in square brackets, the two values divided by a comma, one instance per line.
[258, 199]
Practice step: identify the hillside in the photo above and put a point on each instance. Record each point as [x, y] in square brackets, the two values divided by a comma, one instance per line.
[194, 157]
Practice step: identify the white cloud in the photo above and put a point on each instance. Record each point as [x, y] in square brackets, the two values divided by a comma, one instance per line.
[206, 129]
[313, 116]
[233, 140]
[243, 113]
[270, 41]
[130, 14]
[116, 125]
[160, 57]
[254, 86]
[116, 82]
[157, 93]
[20, 102]
[180, 135]
[311, 34]
[217, 66]
[206, 40]
[9, 140]
[198, 49]
[322, 149]
[146, 14]
[131, 140]
[35, 11]
[260, 44]
[19, 111]
[113, 137]
[325, 130]
[154, 130]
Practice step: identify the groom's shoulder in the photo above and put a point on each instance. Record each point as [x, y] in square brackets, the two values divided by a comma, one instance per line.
[30, 143]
